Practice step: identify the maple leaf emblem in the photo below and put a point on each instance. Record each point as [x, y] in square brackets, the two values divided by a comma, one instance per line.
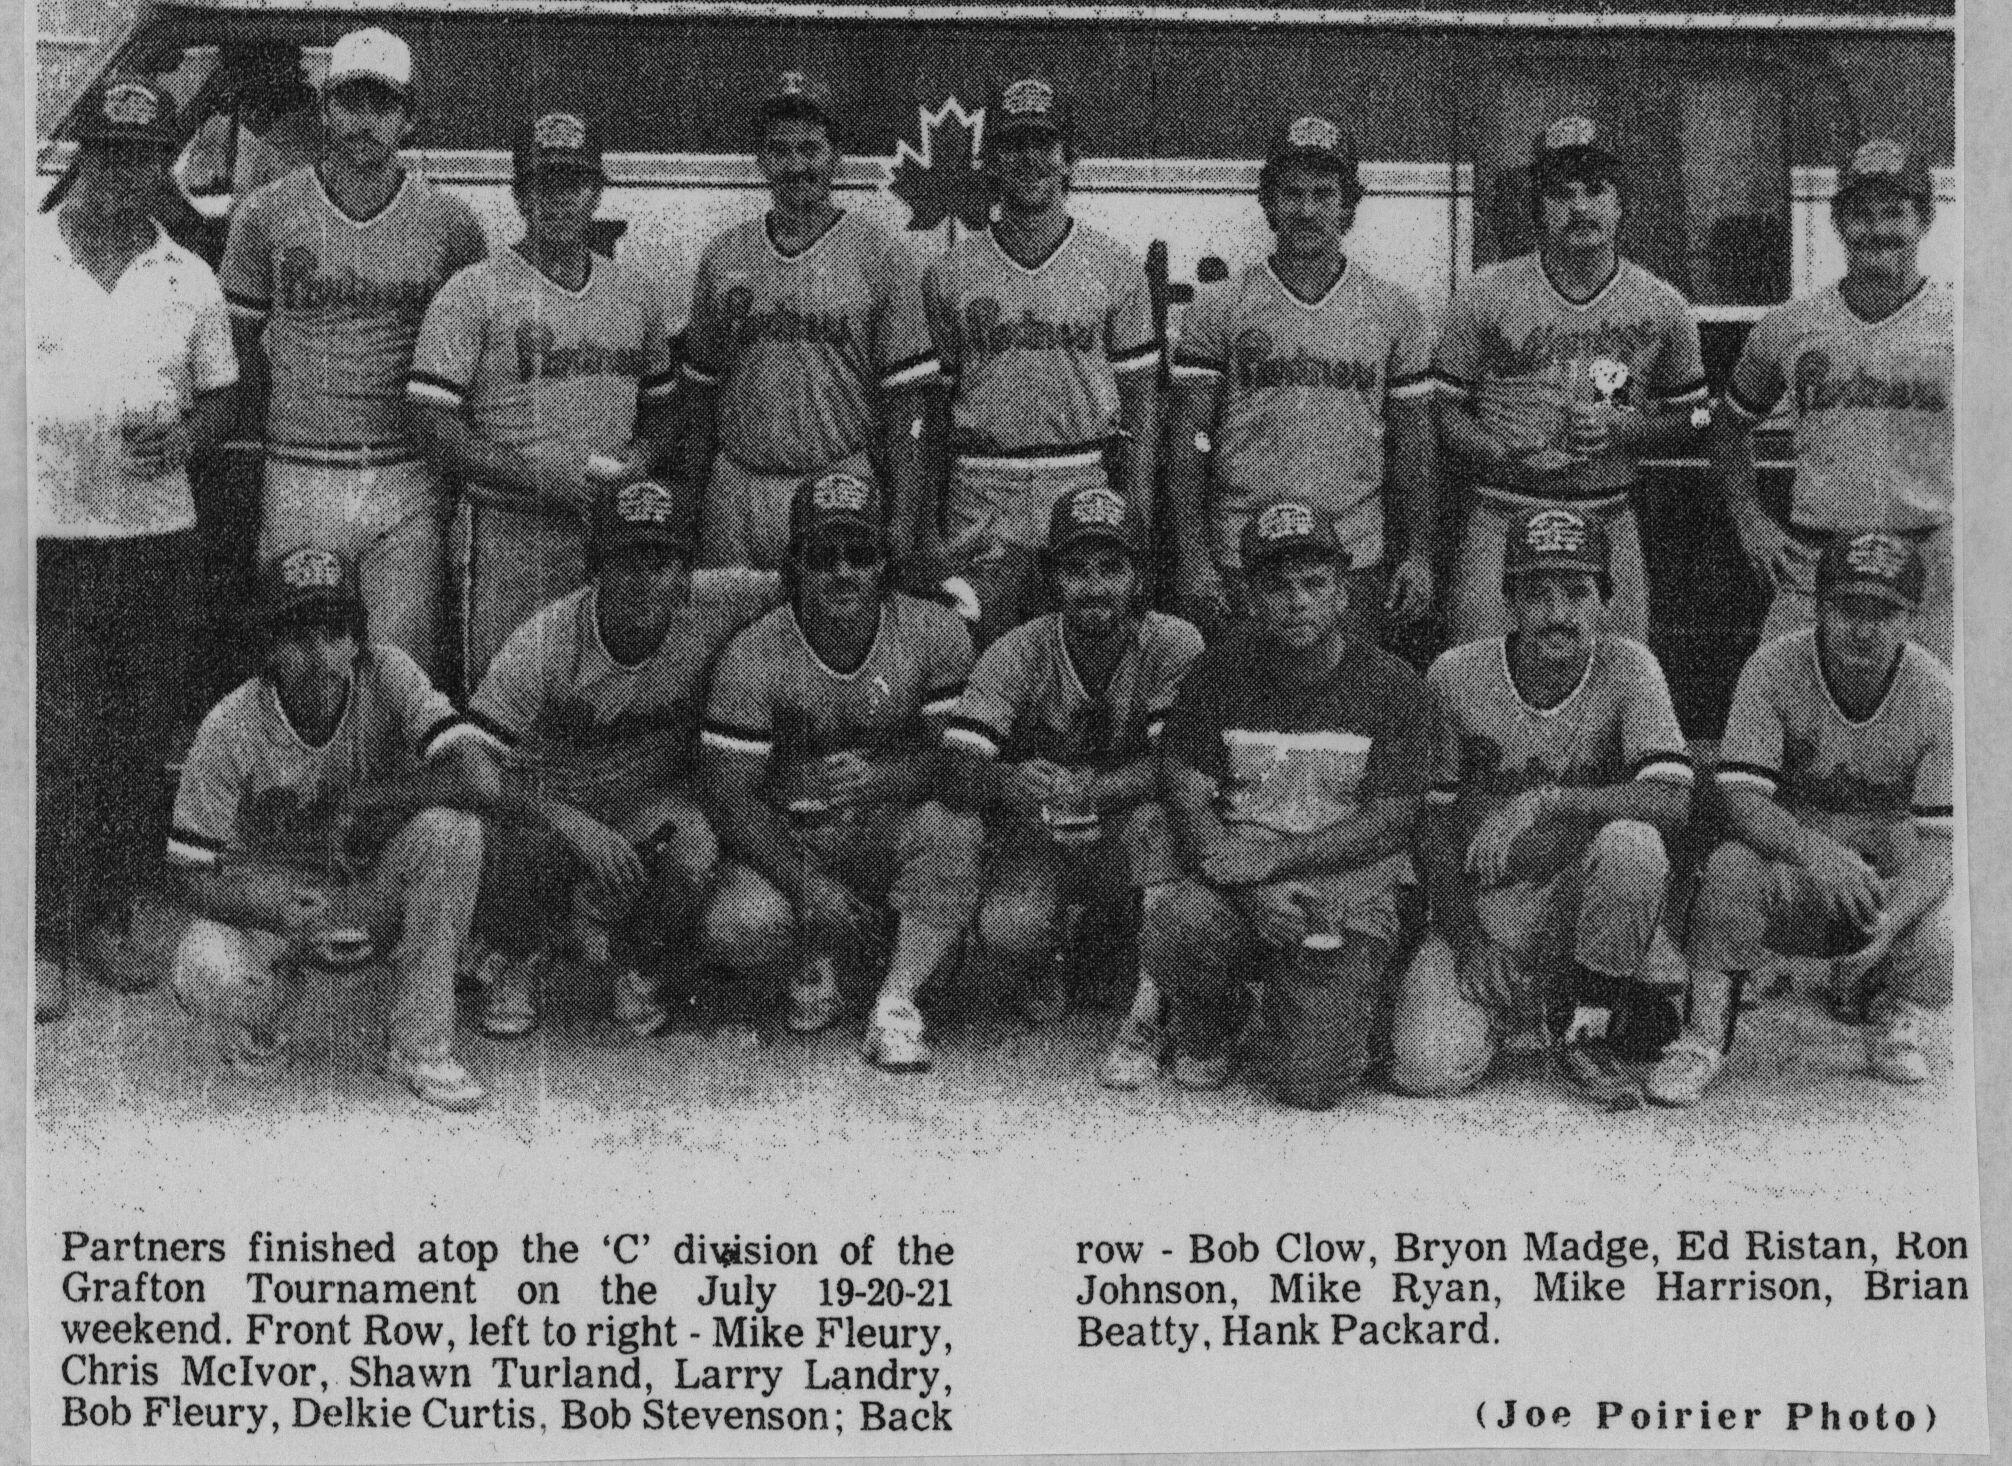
[941, 180]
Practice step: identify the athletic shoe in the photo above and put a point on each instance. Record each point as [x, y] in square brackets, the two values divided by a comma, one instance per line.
[636, 1005]
[1591, 1068]
[813, 995]
[1134, 1059]
[510, 1007]
[1688, 1066]
[1196, 1071]
[115, 959]
[1894, 1049]
[894, 1040]
[440, 1081]
[1044, 988]
[255, 1052]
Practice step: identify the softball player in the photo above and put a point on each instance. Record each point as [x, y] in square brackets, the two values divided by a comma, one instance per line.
[529, 367]
[1046, 329]
[1559, 772]
[1836, 772]
[319, 821]
[808, 348]
[1295, 372]
[1557, 373]
[1869, 366]
[328, 272]
[822, 730]
[1054, 738]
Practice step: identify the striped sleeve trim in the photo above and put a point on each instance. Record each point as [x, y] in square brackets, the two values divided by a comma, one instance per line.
[1441, 795]
[1698, 391]
[915, 369]
[1410, 389]
[1448, 386]
[191, 848]
[729, 739]
[496, 731]
[245, 305]
[1189, 365]
[1751, 411]
[1136, 361]
[693, 372]
[426, 387]
[451, 730]
[972, 737]
[1668, 768]
[1935, 819]
[1750, 776]
[657, 388]
[941, 700]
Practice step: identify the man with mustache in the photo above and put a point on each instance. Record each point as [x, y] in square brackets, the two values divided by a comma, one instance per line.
[1869, 368]
[1308, 370]
[1559, 775]
[1558, 373]
[808, 348]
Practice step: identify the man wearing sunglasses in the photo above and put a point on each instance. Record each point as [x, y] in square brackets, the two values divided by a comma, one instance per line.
[821, 741]
[1054, 741]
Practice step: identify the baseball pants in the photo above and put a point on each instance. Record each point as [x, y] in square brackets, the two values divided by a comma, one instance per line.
[424, 882]
[1794, 606]
[389, 520]
[508, 563]
[995, 523]
[1749, 907]
[1477, 607]
[1033, 881]
[1600, 913]
[745, 518]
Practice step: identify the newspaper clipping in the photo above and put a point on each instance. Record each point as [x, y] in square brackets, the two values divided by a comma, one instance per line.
[875, 729]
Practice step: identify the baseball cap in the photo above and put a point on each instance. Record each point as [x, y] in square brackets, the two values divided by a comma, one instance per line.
[1575, 147]
[1030, 104]
[128, 110]
[1554, 537]
[641, 512]
[1316, 139]
[834, 501]
[798, 94]
[561, 140]
[1873, 562]
[1884, 163]
[1095, 513]
[311, 576]
[371, 54]
[1288, 525]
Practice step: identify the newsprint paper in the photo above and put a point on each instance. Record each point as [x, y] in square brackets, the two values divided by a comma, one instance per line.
[1313, 792]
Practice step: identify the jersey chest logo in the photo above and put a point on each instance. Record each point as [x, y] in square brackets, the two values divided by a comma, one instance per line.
[1819, 387]
[988, 331]
[302, 284]
[1260, 365]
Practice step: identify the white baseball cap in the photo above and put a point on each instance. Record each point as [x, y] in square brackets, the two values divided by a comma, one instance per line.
[370, 55]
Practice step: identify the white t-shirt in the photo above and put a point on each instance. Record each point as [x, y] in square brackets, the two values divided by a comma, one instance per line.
[149, 346]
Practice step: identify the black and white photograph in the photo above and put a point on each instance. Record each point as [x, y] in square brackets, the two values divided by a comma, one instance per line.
[883, 728]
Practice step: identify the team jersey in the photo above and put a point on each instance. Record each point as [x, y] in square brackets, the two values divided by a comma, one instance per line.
[1874, 405]
[1027, 700]
[1489, 745]
[802, 345]
[1519, 352]
[599, 734]
[774, 699]
[341, 300]
[555, 373]
[1035, 351]
[253, 786]
[1855, 780]
[1304, 386]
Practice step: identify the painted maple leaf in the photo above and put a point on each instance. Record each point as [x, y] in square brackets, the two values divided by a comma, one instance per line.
[941, 180]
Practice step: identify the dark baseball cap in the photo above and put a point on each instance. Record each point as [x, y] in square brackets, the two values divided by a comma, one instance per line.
[1314, 139]
[1573, 147]
[1031, 104]
[836, 501]
[567, 141]
[1554, 537]
[1287, 525]
[642, 512]
[1884, 163]
[309, 577]
[798, 94]
[127, 110]
[1872, 562]
[1095, 513]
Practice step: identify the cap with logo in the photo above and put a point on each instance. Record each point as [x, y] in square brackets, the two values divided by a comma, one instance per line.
[373, 55]
[1028, 105]
[309, 577]
[641, 512]
[560, 141]
[1872, 562]
[1095, 513]
[1573, 147]
[127, 110]
[1289, 525]
[1552, 537]
[834, 502]
[798, 94]
[1314, 139]
[1884, 163]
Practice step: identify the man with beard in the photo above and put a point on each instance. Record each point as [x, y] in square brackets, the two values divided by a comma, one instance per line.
[1294, 764]
[1305, 369]
[598, 699]
[1054, 738]
[1046, 330]
[1560, 773]
[132, 376]
[1836, 772]
[1870, 366]
[538, 374]
[822, 735]
[808, 348]
[328, 272]
[1558, 373]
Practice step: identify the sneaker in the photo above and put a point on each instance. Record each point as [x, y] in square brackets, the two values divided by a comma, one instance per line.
[52, 989]
[1592, 1069]
[1894, 1049]
[439, 1081]
[813, 995]
[1134, 1059]
[1196, 1071]
[894, 1040]
[1688, 1066]
[255, 1052]
[115, 959]
[636, 1005]
[1044, 988]
[510, 1005]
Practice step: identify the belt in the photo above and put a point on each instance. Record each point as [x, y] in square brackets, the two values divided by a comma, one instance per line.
[1065, 455]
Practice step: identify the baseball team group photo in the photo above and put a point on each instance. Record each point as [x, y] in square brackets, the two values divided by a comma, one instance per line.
[463, 636]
